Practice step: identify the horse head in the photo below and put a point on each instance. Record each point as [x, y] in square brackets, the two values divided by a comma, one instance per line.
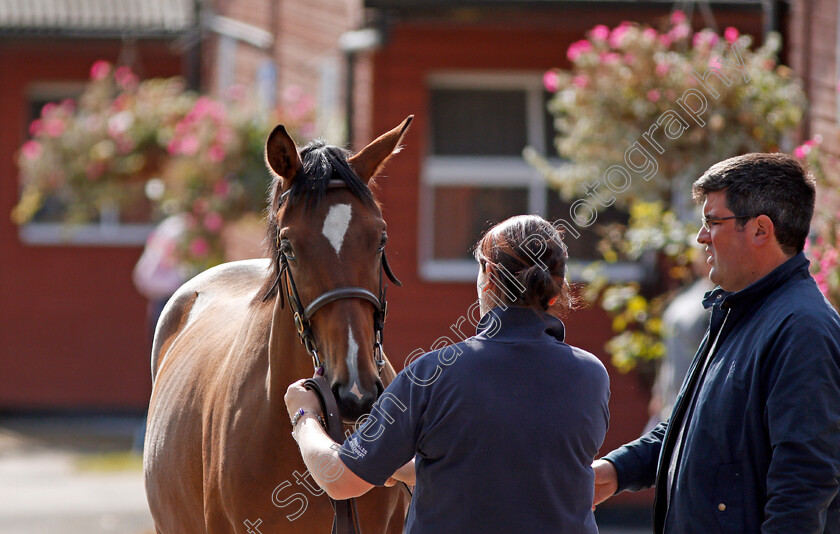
[328, 242]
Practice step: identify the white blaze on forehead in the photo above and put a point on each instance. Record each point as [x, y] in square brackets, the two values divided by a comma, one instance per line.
[336, 224]
[353, 362]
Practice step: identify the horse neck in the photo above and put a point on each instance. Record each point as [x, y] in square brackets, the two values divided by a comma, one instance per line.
[288, 360]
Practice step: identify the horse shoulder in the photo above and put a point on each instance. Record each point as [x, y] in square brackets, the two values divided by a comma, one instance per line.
[234, 280]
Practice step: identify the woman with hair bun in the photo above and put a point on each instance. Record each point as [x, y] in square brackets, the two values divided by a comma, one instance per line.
[498, 432]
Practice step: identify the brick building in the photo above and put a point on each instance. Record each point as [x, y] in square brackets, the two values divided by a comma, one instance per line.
[72, 334]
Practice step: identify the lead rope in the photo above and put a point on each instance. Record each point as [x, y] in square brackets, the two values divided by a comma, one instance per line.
[346, 516]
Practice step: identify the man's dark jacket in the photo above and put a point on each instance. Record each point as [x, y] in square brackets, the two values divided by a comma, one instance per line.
[761, 448]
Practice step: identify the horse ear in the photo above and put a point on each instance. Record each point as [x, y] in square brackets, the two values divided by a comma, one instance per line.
[281, 155]
[370, 160]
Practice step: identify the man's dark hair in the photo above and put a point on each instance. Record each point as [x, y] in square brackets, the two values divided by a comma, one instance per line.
[776, 185]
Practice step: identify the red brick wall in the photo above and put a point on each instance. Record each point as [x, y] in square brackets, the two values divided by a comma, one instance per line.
[423, 311]
[812, 51]
[72, 326]
[305, 36]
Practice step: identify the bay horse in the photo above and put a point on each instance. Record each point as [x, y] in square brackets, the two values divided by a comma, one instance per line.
[219, 456]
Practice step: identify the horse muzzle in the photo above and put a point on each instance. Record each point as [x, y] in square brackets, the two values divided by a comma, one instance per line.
[354, 401]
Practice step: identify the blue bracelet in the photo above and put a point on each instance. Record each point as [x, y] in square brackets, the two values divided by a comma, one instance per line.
[300, 413]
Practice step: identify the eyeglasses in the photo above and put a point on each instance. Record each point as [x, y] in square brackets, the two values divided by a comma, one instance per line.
[707, 220]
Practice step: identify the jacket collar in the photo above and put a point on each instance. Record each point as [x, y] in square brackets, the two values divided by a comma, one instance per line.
[519, 323]
[795, 266]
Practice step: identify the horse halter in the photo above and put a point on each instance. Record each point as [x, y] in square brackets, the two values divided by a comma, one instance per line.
[303, 315]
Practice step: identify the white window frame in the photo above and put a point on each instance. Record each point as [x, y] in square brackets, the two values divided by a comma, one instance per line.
[109, 231]
[495, 171]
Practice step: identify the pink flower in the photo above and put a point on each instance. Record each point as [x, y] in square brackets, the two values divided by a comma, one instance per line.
[678, 17]
[801, 151]
[54, 127]
[125, 78]
[653, 95]
[617, 35]
[206, 107]
[580, 81]
[731, 34]
[680, 31]
[705, 39]
[221, 188]
[600, 32]
[815, 141]
[665, 39]
[36, 127]
[578, 48]
[174, 147]
[213, 222]
[199, 247]
[189, 145]
[236, 92]
[100, 70]
[68, 105]
[629, 59]
[48, 109]
[662, 69]
[650, 34]
[829, 259]
[292, 94]
[551, 81]
[301, 108]
[609, 57]
[216, 154]
[31, 149]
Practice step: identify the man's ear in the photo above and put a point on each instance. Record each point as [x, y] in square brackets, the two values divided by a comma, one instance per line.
[765, 231]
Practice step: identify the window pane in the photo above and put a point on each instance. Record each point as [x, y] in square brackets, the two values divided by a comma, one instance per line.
[549, 131]
[585, 246]
[477, 122]
[461, 214]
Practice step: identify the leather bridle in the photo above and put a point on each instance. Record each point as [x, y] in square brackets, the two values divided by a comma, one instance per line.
[303, 315]
[346, 520]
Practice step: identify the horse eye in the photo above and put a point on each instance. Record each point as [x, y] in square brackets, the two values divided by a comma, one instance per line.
[286, 249]
[383, 241]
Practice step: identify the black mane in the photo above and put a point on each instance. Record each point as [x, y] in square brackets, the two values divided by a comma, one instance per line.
[321, 164]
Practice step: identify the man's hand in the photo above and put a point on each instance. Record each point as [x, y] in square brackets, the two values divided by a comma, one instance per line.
[606, 481]
[298, 397]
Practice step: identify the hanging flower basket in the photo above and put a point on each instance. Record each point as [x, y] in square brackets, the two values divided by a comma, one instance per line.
[137, 151]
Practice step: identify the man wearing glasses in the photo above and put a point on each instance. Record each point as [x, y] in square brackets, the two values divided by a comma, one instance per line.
[753, 443]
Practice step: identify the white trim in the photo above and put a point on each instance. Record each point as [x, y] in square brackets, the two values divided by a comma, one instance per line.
[466, 271]
[500, 171]
[107, 235]
[238, 30]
